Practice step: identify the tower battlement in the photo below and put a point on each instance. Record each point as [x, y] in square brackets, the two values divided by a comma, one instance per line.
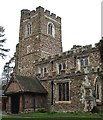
[25, 13]
[75, 50]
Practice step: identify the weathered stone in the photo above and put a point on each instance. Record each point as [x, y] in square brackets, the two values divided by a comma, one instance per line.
[45, 56]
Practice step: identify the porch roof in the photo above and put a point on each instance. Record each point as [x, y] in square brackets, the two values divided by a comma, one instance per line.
[27, 84]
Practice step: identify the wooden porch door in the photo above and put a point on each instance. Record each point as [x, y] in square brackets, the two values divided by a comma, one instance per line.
[15, 101]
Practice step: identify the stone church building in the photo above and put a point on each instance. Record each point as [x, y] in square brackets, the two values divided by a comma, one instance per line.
[47, 79]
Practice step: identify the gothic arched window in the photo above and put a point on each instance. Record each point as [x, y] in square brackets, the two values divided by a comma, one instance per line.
[50, 29]
[28, 29]
[98, 89]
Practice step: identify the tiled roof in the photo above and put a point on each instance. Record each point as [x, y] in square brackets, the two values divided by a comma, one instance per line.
[28, 84]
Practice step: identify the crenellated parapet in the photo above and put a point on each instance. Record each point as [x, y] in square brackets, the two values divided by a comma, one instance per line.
[25, 13]
[72, 52]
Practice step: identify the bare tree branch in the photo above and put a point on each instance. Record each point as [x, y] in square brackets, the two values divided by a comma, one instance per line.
[2, 41]
[2, 29]
[2, 35]
[5, 50]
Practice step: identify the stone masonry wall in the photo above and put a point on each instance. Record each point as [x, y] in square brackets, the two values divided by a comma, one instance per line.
[70, 74]
[41, 54]
[39, 42]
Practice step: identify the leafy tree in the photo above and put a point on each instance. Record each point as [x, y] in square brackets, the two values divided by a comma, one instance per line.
[2, 41]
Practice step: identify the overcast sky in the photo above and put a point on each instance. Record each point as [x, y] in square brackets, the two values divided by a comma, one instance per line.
[81, 21]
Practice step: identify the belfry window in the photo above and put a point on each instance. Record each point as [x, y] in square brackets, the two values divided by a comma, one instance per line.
[28, 29]
[50, 29]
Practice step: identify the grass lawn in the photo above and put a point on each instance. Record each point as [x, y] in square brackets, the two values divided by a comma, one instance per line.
[55, 116]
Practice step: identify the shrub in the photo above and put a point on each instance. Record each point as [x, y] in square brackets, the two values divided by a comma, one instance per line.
[95, 110]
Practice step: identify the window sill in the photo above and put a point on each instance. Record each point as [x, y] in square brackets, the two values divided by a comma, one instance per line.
[51, 36]
[63, 102]
[85, 66]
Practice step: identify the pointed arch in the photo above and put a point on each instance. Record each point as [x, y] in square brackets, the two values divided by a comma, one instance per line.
[28, 29]
[51, 29]
[98, 90]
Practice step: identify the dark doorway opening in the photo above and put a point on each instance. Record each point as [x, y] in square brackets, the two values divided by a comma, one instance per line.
[15, 100]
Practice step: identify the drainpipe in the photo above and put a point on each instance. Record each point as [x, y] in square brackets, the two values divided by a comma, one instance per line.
[52, 92]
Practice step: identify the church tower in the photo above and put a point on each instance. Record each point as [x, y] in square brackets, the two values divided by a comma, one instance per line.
[101, 19]
[39, 37]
